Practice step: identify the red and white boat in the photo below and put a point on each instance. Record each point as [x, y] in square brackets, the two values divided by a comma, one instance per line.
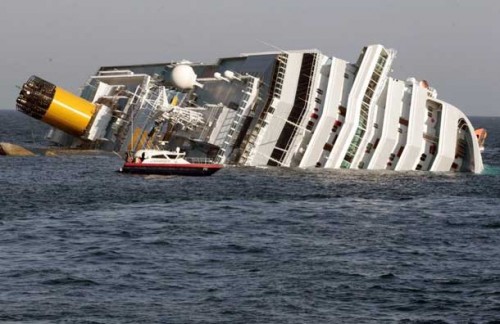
[168, 163]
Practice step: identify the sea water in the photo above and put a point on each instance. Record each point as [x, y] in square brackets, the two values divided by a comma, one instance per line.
[81, 243]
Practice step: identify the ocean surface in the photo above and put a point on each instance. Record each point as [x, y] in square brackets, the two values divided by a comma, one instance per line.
[81, 243]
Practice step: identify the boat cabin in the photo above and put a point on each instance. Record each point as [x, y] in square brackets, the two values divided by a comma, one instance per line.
[159, 156]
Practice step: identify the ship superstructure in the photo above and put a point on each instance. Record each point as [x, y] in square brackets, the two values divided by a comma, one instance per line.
[286, 108]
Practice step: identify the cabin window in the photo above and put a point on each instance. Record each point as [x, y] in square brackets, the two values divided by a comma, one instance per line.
[171, 156]
[342, 110]
[334, 139]
[158, 156]
[432, 149]
[400, 151]
[328, 147]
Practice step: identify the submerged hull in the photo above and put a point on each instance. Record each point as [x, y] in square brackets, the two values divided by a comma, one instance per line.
[171, 169]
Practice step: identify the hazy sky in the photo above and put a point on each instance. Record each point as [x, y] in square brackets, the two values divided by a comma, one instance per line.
[453, 44]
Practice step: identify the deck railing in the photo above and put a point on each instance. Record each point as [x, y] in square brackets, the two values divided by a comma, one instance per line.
[199, 160]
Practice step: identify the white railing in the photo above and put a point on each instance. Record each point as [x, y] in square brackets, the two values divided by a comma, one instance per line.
[199, 160]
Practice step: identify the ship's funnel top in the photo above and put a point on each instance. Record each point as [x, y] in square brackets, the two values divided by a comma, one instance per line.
[35, 97]
[184, 77]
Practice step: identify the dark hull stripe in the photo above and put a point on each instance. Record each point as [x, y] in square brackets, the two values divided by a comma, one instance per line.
[172, 169]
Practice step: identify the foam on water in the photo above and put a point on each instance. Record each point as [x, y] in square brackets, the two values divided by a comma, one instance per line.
[491, 170]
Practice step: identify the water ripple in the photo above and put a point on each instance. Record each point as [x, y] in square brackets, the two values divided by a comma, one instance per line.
[80, 243]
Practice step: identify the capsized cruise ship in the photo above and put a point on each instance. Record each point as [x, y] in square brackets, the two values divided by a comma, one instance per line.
[296, 108]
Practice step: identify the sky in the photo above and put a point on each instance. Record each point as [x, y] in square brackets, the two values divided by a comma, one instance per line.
[454, 44]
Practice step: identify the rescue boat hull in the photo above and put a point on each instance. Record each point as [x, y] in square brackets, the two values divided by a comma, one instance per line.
[191, 169]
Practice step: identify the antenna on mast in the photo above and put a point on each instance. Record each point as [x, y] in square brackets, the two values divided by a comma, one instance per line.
[273, 46]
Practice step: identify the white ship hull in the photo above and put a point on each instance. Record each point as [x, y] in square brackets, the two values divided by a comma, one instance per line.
[290, 109]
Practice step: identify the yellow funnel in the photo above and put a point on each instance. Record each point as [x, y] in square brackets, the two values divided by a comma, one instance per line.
[55, 106]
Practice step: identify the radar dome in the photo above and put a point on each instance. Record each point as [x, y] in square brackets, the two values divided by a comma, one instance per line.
[184, 77]
[229, 74]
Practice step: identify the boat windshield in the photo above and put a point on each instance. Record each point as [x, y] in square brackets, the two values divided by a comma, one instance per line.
[159, 156]
[166, 156]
